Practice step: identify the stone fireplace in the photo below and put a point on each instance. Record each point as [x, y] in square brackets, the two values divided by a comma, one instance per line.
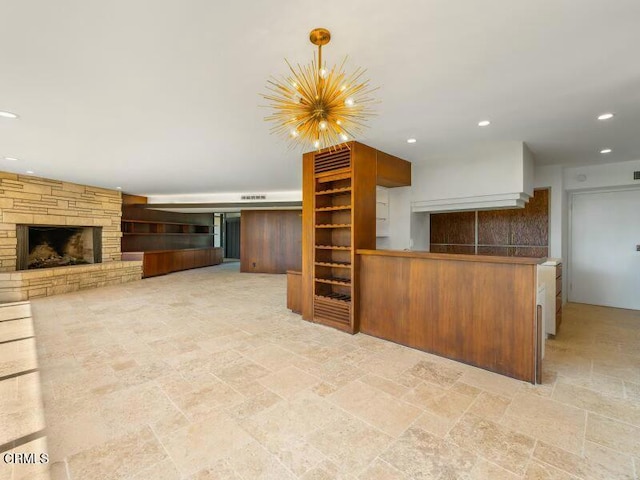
[48, 246]
[48, 223]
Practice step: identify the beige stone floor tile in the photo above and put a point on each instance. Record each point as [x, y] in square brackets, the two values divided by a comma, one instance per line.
[392, 388]
[165, 470]
[632, 391]
[376, 407]
[618, 436]
[490, 406]
[288, 381]
[136, 406]
[294, 452]
[450, 405]
[255, 462]
[436, 373]
[202, 443]
[350, 443]
[253, 404]
[220, 470]
[597, 463]
[170, 333]
[381, 470]
[547, 420]
[327, 471]
[82, 432]
[484, 470]
[334, 371]
[295, 417]
[542, 471]
[435, 424]
[201, 402]
[14, 329]
[272, 357]
[621, 409]
[609, 386]
[497, 443]
[422, 393]
[422, 456]
[491, 382]
[121, 457]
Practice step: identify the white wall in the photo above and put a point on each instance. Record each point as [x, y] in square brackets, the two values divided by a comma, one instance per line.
[551, 177]
[420, 231]
[488, 172]
[607, 175]
[399, 237]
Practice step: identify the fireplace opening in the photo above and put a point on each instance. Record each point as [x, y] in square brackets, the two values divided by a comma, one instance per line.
[41, 246]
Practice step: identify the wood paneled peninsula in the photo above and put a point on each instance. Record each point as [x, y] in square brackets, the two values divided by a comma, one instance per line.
[480, 310]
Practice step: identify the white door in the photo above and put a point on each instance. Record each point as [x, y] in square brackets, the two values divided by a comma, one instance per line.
[604, 262]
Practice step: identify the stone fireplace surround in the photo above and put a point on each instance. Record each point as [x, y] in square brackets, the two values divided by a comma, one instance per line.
[26, 200]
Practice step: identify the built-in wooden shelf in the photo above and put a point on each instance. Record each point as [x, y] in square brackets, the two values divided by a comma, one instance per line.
[335, 281]
[333, 225]
[335, 297]
[333, 208]
[334, 191]
[162, 233]
[334, 264]
[332, 247]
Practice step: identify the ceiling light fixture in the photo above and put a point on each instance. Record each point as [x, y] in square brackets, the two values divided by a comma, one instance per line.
[118, 188]
[317, 106]
[606, 150]
[484, 123]
[606, 116]
[30, 172]
[411, 140]
[11, 159]
[8, 114]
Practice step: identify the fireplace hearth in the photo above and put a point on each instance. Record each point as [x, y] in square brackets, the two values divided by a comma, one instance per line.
[48, 246]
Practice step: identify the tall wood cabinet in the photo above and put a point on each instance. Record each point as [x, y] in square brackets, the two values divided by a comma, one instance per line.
[339, 217]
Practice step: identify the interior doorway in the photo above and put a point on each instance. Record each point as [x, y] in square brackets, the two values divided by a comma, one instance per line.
[232, 236]
[605, 248]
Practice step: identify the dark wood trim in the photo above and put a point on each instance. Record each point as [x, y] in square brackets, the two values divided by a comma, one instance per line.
[456, 257]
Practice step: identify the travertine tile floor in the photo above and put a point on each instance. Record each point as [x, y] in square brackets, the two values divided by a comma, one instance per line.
[205, 374]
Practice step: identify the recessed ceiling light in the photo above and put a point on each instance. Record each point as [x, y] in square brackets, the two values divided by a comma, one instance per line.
[411, 140]
[484, 123]
[11, 159]
[606, 150]
[8, 114]
[29, 172]
[606, 116]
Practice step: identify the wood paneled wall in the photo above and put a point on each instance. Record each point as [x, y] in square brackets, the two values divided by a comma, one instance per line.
[520, 232]
[271, 241]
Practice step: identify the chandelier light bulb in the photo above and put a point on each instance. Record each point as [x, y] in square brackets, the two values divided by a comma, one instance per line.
[349, 102]
[322, 125]
[294, 133]
[344, 137]
[316, 144]
[323, 73]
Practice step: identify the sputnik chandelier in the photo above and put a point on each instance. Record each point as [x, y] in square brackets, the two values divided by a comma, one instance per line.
[317, 107]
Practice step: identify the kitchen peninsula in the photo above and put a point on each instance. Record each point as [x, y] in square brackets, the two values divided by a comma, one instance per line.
[481, 310]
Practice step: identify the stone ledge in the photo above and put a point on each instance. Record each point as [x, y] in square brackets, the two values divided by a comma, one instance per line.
[22, 285]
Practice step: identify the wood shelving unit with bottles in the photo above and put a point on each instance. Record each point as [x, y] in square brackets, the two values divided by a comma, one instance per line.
[339, 217]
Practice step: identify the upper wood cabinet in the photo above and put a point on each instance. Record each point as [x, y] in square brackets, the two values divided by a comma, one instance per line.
[339, 217]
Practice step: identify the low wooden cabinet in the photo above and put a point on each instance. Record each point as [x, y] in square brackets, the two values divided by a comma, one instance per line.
[161, 262]
[294, 291]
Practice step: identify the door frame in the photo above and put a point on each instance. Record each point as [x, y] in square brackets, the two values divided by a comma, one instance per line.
[572, 194]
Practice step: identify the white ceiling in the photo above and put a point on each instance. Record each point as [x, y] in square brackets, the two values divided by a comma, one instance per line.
[161, 96]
